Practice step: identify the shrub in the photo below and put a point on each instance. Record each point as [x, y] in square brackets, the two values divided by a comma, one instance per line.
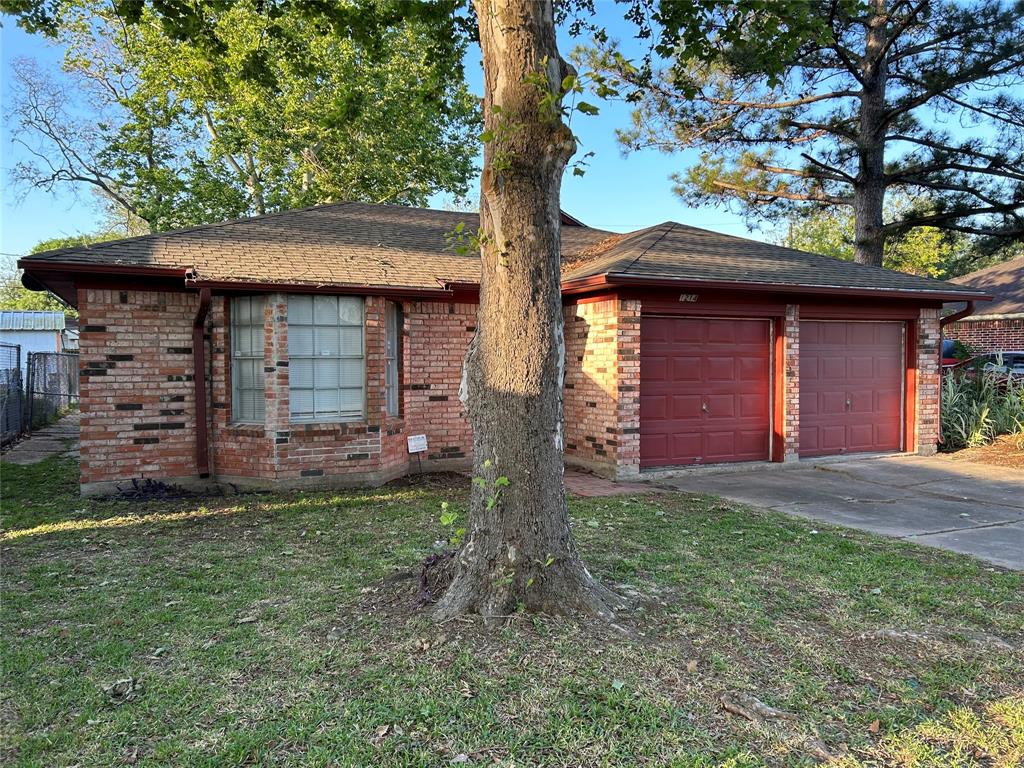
[978, 406]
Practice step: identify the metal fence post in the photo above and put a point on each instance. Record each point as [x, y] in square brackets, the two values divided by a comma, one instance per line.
[29, 382]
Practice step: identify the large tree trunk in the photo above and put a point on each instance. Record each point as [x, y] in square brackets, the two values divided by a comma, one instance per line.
[519, 551]
[869, 191]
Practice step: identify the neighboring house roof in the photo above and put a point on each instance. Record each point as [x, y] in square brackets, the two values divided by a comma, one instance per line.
[356, 244]
[30, 320]
[1005, 282]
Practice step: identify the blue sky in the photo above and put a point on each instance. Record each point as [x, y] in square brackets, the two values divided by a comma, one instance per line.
[617, 193]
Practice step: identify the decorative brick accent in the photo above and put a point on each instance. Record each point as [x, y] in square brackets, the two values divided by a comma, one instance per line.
[127, 377]
[929, 383]
[791, 383]
[602, 392]
[988, 335]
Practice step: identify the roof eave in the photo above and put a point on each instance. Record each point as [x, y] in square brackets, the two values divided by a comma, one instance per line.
[597, 282]
[48, 275]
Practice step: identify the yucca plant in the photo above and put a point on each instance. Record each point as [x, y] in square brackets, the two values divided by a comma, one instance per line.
[978, 406]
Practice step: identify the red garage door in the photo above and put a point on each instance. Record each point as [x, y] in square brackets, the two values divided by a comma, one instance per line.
[851, 387]
[704, 391]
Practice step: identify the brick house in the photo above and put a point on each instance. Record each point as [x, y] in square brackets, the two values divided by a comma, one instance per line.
[306, 347]
[998, 326]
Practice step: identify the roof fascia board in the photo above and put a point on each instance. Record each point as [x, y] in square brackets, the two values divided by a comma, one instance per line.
[597, 281]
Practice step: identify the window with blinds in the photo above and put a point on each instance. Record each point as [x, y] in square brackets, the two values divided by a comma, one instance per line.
[392, 356]
[325, 358]
[247, 396]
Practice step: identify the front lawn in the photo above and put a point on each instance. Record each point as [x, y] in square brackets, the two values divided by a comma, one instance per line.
[281, 630]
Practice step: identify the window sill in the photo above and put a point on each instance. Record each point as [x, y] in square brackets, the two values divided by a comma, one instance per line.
[246, 428]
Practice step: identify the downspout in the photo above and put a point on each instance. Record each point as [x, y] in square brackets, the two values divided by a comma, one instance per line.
[943, 322]
[199, 380]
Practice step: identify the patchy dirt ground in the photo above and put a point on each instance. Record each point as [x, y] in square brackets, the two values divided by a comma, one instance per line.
[1004, 451]
[283, 630]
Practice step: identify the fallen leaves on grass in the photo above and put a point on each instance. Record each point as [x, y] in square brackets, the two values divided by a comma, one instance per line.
[122, 691]
[752, 708]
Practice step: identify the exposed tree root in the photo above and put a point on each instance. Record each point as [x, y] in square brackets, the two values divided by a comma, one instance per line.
[564, 591]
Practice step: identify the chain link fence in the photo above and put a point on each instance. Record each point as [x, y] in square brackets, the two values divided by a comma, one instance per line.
[12, 394]
[51, 386]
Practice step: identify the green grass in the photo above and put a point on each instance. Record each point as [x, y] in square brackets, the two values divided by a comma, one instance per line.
[340, 668]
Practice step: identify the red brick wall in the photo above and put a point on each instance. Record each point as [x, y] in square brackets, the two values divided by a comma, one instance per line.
[136, 385]
[438, 334]
[928, 381]
[989, 335]
[602, 392]
[138, 409]
[138, 403]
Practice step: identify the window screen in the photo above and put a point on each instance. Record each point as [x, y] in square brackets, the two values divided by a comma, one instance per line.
[392, 356]
[247, 397]
[325, 358]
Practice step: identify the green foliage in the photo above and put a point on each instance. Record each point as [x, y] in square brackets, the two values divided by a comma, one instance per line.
[775, 138]
[13, 295]
[256, 109]
[919, 251]
[449, 519]
[978, 406]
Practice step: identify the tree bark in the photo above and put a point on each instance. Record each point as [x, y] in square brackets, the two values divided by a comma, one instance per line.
[869, 191]
[519, 552]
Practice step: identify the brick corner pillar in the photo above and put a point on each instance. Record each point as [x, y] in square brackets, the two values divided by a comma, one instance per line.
[929, 384]
[791, 385]
[627, 342]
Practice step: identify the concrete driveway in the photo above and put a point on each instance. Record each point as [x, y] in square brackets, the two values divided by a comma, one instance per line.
[965, 507]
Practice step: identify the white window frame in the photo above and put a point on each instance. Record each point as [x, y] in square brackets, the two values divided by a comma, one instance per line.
[255, 330]
[319, 354]
[393, 321]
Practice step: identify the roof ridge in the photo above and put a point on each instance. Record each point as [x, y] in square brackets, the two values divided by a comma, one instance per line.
[671, 226]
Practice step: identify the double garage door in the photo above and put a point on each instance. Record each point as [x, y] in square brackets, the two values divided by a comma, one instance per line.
[706, 389]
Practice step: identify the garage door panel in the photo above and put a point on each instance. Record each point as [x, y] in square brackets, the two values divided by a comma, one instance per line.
[751, 371]
[721, 406]
[851, 382]
[720, 445]
[863, 402]
[654, 406]
[685, 408]
[721, 364]
[686, 445]
[720, 368]
[830, 403]
[753, 406]
[831, 437]
[829, 368]
[832, 334]
[685, 369]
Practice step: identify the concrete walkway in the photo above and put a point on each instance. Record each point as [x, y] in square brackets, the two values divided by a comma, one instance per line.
[60, 438]
[961, 506]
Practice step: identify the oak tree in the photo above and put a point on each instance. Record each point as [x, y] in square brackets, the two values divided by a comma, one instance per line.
[519, 550]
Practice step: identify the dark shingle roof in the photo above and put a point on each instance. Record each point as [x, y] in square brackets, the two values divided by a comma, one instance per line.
[673, 251]
[382, 245]
[340, 244]
[1005, 282]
